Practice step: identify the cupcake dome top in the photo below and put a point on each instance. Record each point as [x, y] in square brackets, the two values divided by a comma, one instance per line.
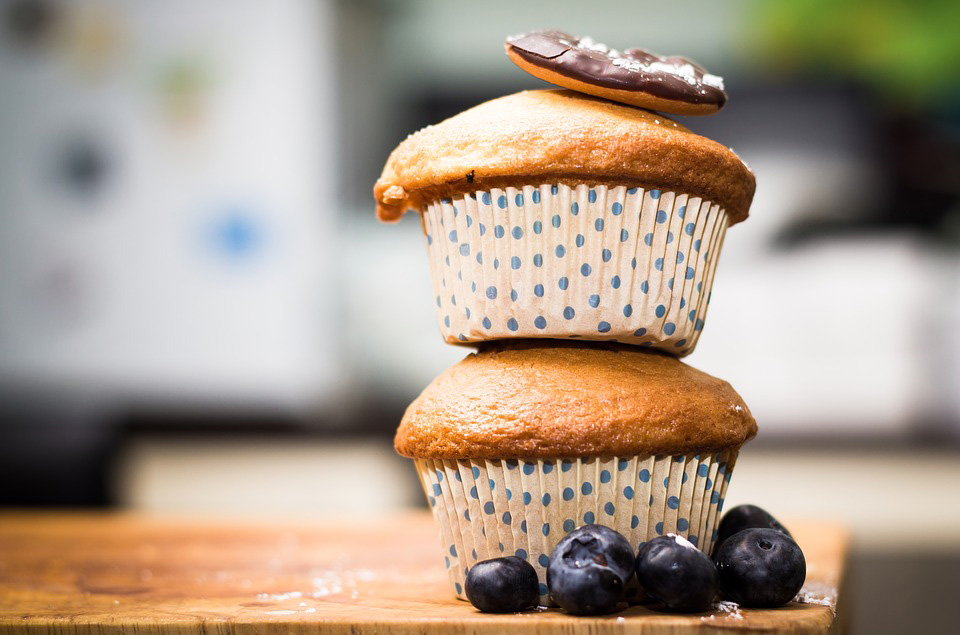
[554, 399]
[559, 136]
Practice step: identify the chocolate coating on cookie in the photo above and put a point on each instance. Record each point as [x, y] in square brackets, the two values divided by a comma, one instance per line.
[636, 77]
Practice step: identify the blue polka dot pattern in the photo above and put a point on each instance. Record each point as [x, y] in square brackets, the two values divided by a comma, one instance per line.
[682, 499]
[627, 230]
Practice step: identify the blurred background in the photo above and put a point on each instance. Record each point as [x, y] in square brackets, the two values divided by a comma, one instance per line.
[199, 311]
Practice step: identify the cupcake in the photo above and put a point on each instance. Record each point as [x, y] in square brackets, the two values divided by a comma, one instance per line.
[556, 214]
[526, 440]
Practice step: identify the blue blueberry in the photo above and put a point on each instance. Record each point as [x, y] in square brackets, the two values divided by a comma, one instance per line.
[503, 585]
[760, 568]
[746, 517]
[676, 574]
[589, 569]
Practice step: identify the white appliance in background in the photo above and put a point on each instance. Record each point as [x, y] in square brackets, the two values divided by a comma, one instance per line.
[163, 172]
[846, 336]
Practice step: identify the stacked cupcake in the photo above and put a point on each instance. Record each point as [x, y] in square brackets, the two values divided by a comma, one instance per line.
[573, 237]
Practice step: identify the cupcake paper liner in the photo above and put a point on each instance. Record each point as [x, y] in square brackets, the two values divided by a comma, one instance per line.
[492, 508]
[598, 263]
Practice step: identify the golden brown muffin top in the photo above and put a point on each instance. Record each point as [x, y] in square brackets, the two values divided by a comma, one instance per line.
[554, 399]
[559, 136]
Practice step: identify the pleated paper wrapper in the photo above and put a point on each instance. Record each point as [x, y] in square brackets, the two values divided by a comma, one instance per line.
[491, 508]
[591, 262]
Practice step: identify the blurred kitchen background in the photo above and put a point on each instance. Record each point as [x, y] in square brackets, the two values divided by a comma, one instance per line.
[200, 313]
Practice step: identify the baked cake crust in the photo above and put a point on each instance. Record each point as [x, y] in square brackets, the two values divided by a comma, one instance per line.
[559, 136]
[554, 399]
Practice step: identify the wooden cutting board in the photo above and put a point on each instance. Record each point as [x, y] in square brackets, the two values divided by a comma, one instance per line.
[86, 573]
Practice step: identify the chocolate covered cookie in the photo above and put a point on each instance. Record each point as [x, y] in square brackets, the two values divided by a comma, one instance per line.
[636, 77]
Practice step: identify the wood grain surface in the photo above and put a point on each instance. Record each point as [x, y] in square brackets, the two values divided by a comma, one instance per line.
[87, 573]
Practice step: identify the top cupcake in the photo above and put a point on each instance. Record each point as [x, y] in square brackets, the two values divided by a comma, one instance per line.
[561, 214]
[559, 136]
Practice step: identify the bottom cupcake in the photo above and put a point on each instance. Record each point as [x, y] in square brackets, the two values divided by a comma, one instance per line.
[521, 443]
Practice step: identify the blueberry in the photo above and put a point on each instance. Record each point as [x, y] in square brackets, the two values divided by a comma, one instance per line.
[503, 585]
[746, 517]
[676, 574]
[589, 569]
[760, 568]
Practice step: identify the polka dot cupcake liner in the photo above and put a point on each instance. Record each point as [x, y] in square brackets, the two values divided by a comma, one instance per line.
[596, 263]
[490, 508]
